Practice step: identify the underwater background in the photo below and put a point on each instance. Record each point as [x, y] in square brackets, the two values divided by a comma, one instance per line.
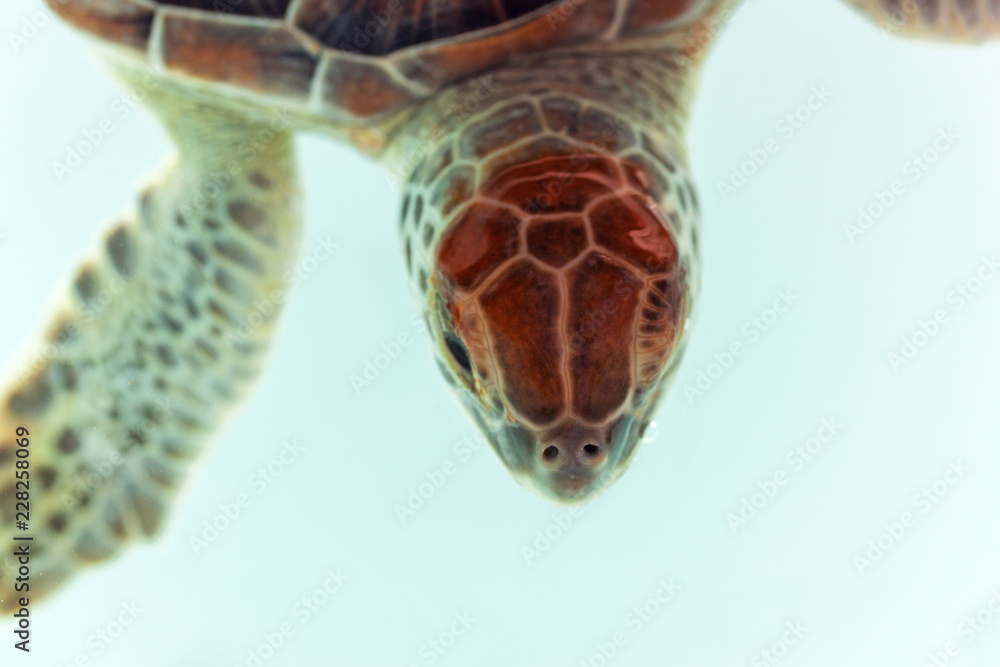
[829, 496]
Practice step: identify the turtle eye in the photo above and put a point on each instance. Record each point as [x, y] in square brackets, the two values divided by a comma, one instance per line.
[458, 351]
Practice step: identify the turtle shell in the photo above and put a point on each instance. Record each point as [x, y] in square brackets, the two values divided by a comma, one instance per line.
[356, 60]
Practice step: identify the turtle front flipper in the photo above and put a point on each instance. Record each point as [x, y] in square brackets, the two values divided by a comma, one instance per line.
[947, 20]
[159, 336]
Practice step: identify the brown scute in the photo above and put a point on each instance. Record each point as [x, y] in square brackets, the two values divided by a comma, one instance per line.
[561, 192]
[601, 313]
[647, 16]
[557, 167]
[603, 132]
[501, 128]
[123, 22]
[263, 58]
[557, 242]
[363, 90]
[379, 27]
[521, 309]
[453, 190]
[564, 23]
[274, 9]
[476, 244]
[634, 232]
[562, 114]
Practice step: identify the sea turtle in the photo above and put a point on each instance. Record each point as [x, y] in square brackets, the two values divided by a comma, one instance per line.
[549, 227]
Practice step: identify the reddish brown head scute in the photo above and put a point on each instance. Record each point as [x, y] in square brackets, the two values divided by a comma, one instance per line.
[565, 283]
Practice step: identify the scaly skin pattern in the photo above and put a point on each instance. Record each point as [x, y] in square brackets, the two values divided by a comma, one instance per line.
[550, 230]
[158, 336]
[966, 21]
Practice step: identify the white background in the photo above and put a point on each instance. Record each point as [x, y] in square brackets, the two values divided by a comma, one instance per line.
[795, 561]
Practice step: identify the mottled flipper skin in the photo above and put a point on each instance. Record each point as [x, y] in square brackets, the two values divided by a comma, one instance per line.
[944, 20]
[158, 336]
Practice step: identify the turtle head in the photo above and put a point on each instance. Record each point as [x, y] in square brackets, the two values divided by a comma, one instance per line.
[557, 301]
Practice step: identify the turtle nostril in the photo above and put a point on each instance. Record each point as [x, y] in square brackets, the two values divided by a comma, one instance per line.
[550, 453]
[591, 451]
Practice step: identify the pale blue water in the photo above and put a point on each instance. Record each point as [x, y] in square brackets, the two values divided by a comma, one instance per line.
[715, 592]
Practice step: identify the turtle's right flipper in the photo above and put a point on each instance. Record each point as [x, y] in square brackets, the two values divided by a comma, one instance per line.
[944, 20]
[157, 338]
